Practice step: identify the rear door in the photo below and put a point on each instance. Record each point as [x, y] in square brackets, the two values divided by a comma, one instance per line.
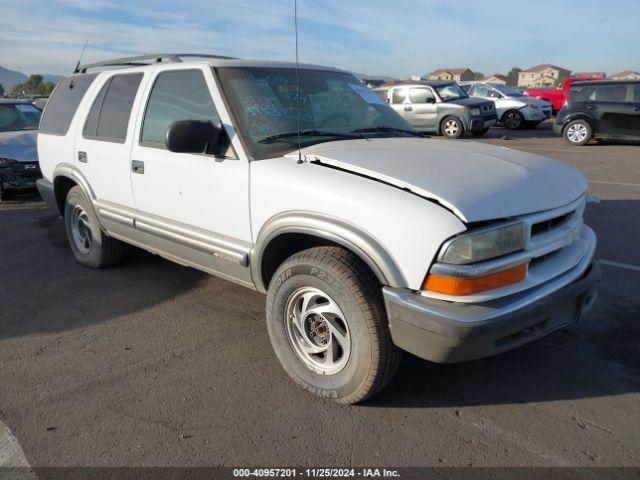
[397, 99]
[614, 108]
[103, 148]
[421, 108]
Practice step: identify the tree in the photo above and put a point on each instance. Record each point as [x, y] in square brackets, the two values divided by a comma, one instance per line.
[559, 82]
[513, 75]
[1, 90]
[33, 86]
[478, 76]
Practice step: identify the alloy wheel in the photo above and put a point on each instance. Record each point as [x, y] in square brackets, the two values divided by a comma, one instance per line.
[577, 133]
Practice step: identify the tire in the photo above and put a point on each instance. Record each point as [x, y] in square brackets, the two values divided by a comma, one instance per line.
[336, 283]
[452, 127]
[480, 133]
[513, 119]
[89, 244]
[577, 132]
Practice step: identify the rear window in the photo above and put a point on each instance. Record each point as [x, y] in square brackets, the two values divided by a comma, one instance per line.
[108, 118]
[63, 104]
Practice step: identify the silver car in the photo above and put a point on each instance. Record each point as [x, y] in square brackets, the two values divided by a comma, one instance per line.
[515, 110]
[440, 107]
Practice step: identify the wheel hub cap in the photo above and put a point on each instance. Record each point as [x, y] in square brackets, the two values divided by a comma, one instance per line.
[81, 232]
[317, 331]
[577, 133]
[451, 127]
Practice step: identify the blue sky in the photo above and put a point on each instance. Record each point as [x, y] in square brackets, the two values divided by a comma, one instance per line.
[396, 38]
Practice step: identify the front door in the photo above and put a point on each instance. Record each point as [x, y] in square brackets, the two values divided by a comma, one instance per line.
[193, 208]
[421, 108]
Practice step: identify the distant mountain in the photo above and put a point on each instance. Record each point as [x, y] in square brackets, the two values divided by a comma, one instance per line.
[370, 76]
[9, 78]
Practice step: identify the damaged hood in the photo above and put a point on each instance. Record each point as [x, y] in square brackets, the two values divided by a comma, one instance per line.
[20, 145]
[474, 180]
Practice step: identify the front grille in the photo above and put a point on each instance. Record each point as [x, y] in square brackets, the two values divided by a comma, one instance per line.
[550, 224]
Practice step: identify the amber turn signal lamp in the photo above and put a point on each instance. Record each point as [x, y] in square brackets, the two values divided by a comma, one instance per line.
[465, 286]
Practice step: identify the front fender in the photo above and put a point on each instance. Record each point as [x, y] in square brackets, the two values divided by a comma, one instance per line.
[369, 249]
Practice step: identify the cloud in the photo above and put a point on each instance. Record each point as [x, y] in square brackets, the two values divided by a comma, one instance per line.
[397, 38]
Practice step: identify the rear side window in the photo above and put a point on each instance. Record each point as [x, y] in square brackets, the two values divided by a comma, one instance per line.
[582, 93]
[636, 94]
[421, 95]
[611, 93]
[176, 95]
[109, 115]
[63, 104]
[399, 95]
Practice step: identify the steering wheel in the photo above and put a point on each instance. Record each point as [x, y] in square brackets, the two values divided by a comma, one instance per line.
[335, 117]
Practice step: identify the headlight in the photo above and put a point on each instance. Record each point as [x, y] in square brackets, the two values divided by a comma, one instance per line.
[475, 111]
[485, 244]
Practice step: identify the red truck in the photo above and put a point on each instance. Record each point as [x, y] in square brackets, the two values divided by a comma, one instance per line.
[557, 96]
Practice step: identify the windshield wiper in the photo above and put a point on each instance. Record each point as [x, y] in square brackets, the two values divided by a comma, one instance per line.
[386, 129]
[308, 133]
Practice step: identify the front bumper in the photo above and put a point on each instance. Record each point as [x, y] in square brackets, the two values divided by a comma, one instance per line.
[477, 124]
[449, 332]
[557, 128]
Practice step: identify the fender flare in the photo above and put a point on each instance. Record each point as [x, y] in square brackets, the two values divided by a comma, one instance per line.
[71, 172]
[363, 244]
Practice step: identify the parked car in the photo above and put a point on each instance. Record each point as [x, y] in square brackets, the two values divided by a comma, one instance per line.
[515, 110]
[557, 96]
[440, 107]
[19, 168]
[301, 183]
[601, 110]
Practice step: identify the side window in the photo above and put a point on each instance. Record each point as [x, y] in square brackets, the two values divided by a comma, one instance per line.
[108, 118]
[176, 95]
[421, 95]
[399, 94]
[636, 94]
[63, 104]
[468, 88]
[583, 93]
[611, 93]
[481, 90]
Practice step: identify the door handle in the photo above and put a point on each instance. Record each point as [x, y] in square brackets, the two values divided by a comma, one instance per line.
[408, 109]
[592, 107]
[82, 157]
[137, 166]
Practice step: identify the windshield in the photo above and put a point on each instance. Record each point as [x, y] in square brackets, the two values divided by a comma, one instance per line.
[508, 91]
[18, 116]
[332, 106]
[451, 91]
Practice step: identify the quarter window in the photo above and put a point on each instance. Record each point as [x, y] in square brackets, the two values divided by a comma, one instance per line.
[399, 95]
[637, 94]
[108, 118]
[176, 95]
[63, 104]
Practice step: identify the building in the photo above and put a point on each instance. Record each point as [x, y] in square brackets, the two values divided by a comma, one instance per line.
[455, 74]
[590, 74]
[497, 78]
[541, 76]
[626, 75]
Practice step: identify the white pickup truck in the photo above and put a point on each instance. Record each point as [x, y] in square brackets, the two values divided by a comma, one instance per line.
[367, 238]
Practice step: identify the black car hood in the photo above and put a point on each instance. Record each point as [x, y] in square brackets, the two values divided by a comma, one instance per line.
[20, 145]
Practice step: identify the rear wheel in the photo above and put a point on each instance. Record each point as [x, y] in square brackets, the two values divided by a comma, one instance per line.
[513, 119]
[89, 244]
[328, 327]
[452, 127]
[578, 132]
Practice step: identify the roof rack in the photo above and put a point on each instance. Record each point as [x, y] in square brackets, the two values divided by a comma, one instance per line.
[140, 60]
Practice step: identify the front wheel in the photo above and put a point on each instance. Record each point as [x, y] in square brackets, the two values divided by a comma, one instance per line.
[327, 324]
[452, 127]
[513, 120]
[578, 132]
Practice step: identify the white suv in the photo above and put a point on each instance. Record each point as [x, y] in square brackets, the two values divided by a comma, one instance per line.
[367, 238]
[515, 110]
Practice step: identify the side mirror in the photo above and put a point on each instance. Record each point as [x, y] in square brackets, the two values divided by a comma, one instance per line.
[192, 136]
[430, 100]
